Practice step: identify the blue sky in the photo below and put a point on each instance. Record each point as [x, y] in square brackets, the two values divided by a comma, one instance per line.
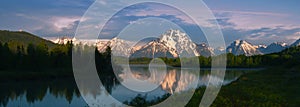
[257, 21]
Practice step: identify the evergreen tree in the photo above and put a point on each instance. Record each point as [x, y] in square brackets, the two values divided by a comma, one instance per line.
[7, 57]
[31, 56]
[42, 55]
[19, 57]
[1, 56]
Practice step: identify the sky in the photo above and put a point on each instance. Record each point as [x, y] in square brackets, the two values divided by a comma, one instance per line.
[257, 21]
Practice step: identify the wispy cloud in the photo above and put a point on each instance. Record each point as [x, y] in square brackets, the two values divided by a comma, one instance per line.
[257, 26]
[61, 23]
[259, 35]
[253, 20]
[250, 12]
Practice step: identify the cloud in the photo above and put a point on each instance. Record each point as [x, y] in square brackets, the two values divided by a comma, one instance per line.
[257, 27]
[43, 18]
[264, 35]
[60, 23]
[59, 18]
[157, 10]
[132, 14]
[49, 26]
[254, 20]
[59, 26]
[254, 26]
[250, 13]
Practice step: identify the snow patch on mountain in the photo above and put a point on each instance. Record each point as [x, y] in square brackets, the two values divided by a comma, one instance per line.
[174, 43]
[154, 49]
[179, 41]
[204, 50]
[274, 47]
[65, 40]
[242, 47]
[219, 50]
[118, 46]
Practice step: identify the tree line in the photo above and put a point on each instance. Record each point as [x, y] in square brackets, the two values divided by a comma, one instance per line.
[40, 56]
[34, 56]
[288, 57]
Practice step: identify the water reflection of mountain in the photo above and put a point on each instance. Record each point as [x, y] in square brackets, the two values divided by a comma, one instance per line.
[64, 92]
[176, 79]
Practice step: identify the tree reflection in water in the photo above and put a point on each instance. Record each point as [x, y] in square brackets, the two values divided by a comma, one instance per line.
[35, 91]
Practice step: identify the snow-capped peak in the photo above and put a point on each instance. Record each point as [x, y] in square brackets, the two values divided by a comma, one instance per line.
[173, 43]
[283, 44]
[219, 50]
[262, 46]
[237, 42]
[242, 47]
[63, 40]
[175, 39]
[205, 50]
[274, 47]
[118, 46]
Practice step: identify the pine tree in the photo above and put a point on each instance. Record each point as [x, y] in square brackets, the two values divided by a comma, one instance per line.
[1, 56]
[31, 53]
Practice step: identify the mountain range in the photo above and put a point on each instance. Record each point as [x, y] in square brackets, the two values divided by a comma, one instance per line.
[174, 43]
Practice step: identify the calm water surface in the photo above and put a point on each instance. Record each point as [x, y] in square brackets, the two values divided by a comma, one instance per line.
[64, 92]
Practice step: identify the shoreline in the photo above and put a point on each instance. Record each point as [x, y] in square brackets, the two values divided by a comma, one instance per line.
[204, 68]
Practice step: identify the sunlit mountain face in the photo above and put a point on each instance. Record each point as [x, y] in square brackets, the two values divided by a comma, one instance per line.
[172, 44]
[175, 43]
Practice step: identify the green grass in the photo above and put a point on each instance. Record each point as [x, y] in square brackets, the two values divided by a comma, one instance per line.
[273, 87]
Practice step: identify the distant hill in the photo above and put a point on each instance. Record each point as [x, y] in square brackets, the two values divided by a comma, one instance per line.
[22, 38]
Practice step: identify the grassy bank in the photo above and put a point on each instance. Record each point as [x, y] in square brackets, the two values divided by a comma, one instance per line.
[273, 87]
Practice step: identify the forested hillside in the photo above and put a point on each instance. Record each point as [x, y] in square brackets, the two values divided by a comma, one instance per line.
[19, 38]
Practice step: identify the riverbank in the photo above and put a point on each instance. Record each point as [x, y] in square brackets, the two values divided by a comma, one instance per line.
[272, 87]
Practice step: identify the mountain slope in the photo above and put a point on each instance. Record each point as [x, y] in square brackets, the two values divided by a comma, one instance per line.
[241, 47]
[204, 50]
[296, 43]
[219, 50]
[274, 47]
[174, 39]
[154, 49]
[22, 37]
[173, 43]
[118, 46]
